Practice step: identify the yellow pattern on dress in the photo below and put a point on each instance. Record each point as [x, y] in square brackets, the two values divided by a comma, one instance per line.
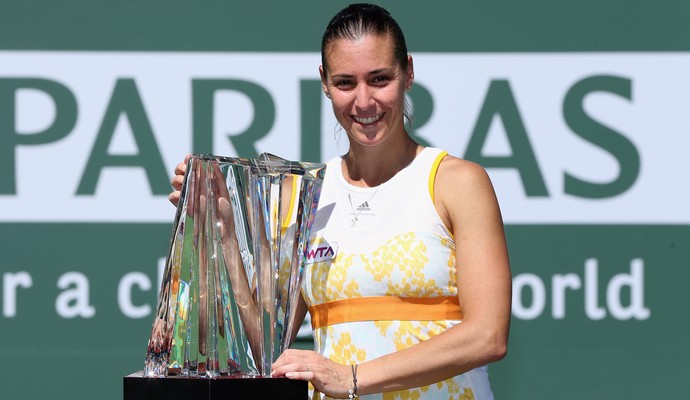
[411, 254]
[407, 335]
[399, 262]
[344, 352]
[452, 272]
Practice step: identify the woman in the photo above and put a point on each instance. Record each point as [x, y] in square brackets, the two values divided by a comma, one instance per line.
[414, 300]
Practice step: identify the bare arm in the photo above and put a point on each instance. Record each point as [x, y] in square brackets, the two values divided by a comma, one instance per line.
[466, 202]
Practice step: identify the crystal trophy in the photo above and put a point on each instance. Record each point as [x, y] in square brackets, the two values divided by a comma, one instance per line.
[234, 268]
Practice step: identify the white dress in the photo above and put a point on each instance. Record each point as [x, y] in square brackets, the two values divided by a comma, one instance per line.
[381, 274]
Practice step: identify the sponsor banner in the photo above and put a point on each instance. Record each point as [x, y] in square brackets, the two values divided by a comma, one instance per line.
[569, 138]
[593, 308]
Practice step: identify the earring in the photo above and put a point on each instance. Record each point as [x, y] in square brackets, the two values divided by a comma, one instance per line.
[327, 95]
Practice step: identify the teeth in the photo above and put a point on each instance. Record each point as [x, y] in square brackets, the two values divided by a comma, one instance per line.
[367, 121]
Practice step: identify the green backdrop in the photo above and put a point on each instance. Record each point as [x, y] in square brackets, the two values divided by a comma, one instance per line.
[599, 305]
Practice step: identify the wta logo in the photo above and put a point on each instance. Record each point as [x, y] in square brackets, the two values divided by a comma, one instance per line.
[322, 252]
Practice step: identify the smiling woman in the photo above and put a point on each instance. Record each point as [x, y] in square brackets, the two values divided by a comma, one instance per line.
[405, 221]
[366, 85]
[605, 106]
[365, 71]
[394, 308]
[412, 317]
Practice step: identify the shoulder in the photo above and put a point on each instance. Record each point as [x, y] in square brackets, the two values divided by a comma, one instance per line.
[463, 192]
[460, 174]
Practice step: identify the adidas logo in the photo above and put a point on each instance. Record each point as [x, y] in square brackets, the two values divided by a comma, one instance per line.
[363, 207]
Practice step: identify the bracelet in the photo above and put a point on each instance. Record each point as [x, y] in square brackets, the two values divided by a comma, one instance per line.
[352, 393]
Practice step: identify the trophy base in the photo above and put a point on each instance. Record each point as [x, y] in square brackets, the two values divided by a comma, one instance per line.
[138, 387]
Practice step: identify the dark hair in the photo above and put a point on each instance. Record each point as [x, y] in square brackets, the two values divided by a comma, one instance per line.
[361, 19]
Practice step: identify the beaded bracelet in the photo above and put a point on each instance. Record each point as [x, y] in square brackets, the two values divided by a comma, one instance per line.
[352, 393]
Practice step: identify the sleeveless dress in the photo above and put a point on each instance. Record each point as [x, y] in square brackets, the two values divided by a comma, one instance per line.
[380, 274]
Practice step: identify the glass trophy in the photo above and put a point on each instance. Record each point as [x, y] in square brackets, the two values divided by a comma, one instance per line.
[234, 268]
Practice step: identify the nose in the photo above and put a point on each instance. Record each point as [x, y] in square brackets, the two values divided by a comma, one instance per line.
[363, 96]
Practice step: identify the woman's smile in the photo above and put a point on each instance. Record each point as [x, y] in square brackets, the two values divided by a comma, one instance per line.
[366, 85]
[367, 120]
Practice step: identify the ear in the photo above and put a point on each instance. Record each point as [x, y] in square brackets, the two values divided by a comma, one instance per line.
[324, 86]
[410, 73]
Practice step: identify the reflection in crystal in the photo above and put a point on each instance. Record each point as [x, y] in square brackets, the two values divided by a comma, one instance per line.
[234, 268]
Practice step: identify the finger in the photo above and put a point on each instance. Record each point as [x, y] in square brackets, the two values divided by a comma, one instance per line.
[174, 198]
[287, 363]
[181, 168]
[177, 181]
[282, 361]
[296, 353]
[302, 376]
[294, 360]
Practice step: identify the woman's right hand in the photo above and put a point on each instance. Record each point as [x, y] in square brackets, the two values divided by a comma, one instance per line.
[177, 181]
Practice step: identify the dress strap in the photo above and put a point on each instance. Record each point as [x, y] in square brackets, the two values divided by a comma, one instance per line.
[434, 170]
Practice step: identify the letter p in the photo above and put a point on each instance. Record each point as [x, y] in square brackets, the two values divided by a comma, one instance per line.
[10, 138]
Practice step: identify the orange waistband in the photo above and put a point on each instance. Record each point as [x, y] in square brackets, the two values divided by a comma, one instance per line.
[385, 308]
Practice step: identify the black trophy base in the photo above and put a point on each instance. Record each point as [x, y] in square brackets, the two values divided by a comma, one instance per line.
[138, 387]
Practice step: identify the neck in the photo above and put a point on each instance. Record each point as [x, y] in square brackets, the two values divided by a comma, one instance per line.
[370, 167]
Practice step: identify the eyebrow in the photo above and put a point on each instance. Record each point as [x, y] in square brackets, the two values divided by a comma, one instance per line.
[374, 72]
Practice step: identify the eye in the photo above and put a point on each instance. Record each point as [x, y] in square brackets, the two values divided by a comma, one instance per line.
[380, 80]
[344, 84]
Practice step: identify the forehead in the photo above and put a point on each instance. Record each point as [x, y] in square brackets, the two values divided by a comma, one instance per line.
[366, 53]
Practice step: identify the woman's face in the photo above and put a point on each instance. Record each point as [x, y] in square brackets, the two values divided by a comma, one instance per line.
[367, 87]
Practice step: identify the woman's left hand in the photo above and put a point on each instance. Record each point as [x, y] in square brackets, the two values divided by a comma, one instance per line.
[328, 377]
